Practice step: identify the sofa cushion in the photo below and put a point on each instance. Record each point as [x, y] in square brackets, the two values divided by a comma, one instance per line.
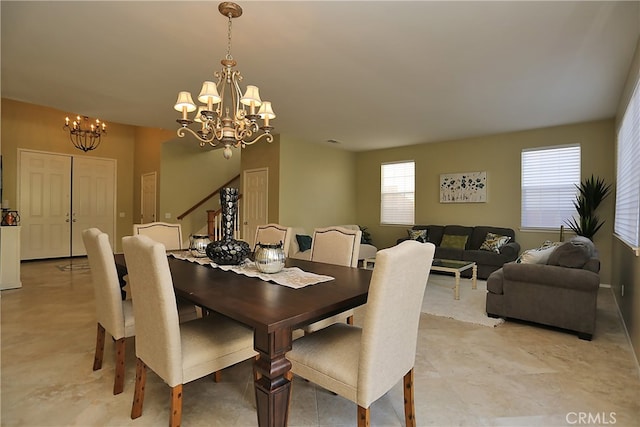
[304, 242]
[493, 242]
[538, 255]
[485, 257]
[421, 236]
[453, 241]
[570, 255]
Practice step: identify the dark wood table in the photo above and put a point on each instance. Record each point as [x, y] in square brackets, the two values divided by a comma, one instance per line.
[273, 312]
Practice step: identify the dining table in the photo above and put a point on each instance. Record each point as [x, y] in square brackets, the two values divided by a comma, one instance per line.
[273, 311]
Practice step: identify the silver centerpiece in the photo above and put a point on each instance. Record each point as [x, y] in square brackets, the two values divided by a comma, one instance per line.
[198, 245]
[269, 258]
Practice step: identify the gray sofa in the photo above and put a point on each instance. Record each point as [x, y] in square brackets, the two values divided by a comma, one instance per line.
[486, 261]
[561, 293]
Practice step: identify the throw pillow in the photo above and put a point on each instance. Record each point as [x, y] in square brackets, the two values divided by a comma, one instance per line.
[304, 242]
[536, 255]
[493, 242]
[570, 255]
[421, 236]
[453, 241]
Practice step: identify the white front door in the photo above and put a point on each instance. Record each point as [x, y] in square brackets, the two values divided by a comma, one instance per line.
[45, 204]
[255, 196]
[148, 198]
[93, 199]
[61, 195]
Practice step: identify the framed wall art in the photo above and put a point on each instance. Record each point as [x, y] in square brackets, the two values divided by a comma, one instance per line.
[468, 187]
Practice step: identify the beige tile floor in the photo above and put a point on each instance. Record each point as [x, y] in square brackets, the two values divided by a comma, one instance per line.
[466, 375]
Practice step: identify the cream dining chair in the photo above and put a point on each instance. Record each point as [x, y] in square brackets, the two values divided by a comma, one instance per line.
[362, 364]
[273, 233]
[114, 315]
[170, 235]
[340, 246]
[177, 353]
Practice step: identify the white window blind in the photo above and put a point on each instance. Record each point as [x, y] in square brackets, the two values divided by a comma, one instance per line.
[549, 179]
[627, 220]
[397, 193]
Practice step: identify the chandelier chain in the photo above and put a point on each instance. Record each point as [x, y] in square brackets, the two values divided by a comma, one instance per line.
[229, 39]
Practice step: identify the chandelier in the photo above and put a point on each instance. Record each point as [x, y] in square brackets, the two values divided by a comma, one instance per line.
[85, 136]
[228, 117]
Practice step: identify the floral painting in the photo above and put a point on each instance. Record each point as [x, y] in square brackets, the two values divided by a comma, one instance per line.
[470, 187]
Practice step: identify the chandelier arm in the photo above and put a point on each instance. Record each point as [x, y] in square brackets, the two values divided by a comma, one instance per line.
[268, 136]
[181, 133]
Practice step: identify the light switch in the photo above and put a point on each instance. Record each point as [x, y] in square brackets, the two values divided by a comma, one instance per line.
[121, 214]
[167, 215]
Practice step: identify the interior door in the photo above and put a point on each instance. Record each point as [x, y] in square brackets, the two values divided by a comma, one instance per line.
[44, 204]
[93, 199]
[148, 198]
[255, 197]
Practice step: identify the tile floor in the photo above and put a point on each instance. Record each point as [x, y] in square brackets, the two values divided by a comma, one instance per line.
[466, 375]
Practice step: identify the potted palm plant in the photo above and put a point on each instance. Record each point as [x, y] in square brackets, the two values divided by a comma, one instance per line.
[592, 191]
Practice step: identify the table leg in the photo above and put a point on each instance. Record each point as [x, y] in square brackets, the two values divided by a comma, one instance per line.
[272, 388]
[474, 277]
[456, 292]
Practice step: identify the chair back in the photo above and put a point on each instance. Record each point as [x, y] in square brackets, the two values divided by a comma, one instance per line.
[170, 235]
[336, 245]
[273, 233]
[390, 328]
[109, 309]
[158, 342]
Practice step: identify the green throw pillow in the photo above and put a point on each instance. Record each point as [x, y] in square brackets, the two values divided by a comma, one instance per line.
[453, 241]
[421, 236]
[304, 242]
[493, 242]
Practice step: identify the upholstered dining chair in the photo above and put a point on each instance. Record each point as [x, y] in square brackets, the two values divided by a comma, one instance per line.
[340, 246]
[114, 315]
[170, 235]
[273, 233]
[177, 353]
[362, 364]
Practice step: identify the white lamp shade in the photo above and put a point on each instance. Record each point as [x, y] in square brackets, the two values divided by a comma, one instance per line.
[199, 114]
[266, 111]
[209, 92]
[251, 95]
[184, 100]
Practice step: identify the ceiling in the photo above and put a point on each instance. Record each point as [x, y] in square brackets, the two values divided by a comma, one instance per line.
[369, 74]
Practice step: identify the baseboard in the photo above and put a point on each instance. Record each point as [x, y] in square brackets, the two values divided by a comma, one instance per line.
[626, 332]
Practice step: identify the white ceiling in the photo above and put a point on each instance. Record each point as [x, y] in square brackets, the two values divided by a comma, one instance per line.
[370, 74]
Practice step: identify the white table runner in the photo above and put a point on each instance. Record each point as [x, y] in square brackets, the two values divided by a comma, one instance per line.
[292, 277]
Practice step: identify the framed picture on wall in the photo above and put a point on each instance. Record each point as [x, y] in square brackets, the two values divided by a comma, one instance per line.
[468, 187]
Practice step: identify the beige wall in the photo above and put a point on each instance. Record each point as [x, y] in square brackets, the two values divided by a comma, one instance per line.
[189, 174]
[34, 127]
[626, 264]
[317, 184]
[146, 159]
[499, 156]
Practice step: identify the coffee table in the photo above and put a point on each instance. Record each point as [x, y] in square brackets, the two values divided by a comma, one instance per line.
[457, 267]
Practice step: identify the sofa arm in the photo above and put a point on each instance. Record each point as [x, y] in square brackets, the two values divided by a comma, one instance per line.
[511, 250]
[552, 275]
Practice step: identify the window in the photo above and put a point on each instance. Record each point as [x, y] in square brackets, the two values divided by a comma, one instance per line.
[550, 177]
[397, 188]
[627, 221]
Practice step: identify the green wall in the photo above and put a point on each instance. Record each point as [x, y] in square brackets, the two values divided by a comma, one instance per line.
[499, 156]
[317, 184]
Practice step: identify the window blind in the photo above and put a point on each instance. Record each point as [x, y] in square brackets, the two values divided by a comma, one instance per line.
[549, 179]
[627, 218]
[397, 193]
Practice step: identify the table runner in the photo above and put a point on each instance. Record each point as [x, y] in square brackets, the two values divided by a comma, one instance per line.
[292, 277]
